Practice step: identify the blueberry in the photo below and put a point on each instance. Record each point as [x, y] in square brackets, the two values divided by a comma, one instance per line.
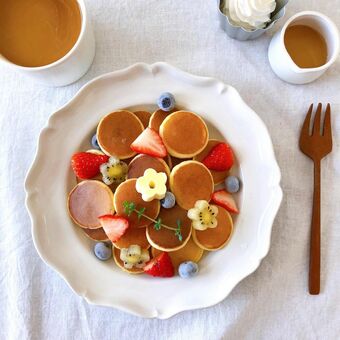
[168, 201]
[103, 251]
[232, 184]
[187, 269]
[94, 142]
[166, 101]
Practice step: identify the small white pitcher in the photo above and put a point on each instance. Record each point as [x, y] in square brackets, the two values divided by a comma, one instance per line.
[281, 62]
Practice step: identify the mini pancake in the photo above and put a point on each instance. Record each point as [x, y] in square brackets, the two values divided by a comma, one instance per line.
[116, 131]
[96, 151]
[191, 181]
[144, 117]
[126, 191]
[175, 161]
[87, 201]
[168, 161]
[99, 177]
[96, 178]
[184, 134]
[215, 238]
[133, 236]
[158, 117]
[218, 176]
[190, 252]
[165, 239]
[120, 264]
[96, 234]
[142, 162]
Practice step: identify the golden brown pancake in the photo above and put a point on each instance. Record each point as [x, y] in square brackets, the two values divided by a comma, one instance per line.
[116, 131]
[96, 234]
[87, 201]
[184, 134]
[218, 176]
[120, 264]
[157, 118]
[142, 162]
[133, 236]
[126, 191]
[144, 117]
[190, 252]
[165, 239]
[191, 181]
[215, 238]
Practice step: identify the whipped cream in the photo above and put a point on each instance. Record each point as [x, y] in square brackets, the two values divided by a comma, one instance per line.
[249, 14]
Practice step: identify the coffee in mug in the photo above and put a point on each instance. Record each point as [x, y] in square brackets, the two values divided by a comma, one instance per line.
[36, 33]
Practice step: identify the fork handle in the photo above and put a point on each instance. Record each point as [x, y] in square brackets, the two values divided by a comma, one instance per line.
[314, 261]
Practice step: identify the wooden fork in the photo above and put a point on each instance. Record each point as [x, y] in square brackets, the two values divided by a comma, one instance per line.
[316, 145]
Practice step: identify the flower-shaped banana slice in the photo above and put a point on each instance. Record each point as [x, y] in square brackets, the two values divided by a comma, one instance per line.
[134, 256]
[114, 171]
[203, 215]
[152, 185]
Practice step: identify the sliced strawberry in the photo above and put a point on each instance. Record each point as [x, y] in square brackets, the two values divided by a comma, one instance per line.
[225, 200]
[150, 143]
[220, 158]
[160, 266]
[114, 226]
[86, 165]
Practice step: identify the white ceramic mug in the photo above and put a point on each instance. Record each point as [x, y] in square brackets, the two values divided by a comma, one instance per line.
[281, 62]
[71, 66]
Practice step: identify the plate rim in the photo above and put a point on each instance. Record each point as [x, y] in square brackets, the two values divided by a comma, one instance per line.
[267, 218]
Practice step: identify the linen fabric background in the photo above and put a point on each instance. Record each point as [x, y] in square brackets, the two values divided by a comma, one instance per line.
[272, 303]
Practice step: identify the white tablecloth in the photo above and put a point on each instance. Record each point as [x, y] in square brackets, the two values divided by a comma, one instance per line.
[273, 303]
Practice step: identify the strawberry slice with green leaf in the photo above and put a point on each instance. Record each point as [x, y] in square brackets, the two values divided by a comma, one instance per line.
[149, 142]
[220, 158]
[86, 165]
[225, 200]
[114, 226]
[160, 266]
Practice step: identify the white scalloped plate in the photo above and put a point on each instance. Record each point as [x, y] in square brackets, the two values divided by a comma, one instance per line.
[64, 247]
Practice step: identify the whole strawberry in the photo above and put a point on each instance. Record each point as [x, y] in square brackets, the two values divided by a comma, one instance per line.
[220, 158]
[86, 165]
